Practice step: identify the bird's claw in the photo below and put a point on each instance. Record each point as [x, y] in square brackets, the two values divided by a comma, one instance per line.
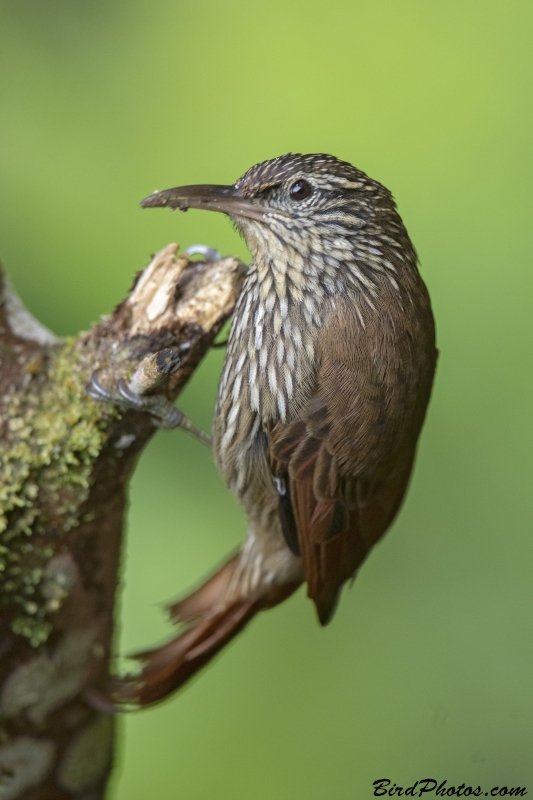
[209, 253]
[163, 413]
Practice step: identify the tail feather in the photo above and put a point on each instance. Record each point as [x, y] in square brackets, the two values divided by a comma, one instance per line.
[167, 668]
[205, 598]
[212, 622]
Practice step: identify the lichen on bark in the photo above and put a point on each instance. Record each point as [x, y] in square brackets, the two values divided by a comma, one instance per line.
[54, 438]
[65, 461]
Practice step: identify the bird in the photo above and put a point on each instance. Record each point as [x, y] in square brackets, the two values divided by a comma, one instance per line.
[327, 376]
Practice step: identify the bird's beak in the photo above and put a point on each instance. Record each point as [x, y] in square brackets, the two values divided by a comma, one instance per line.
[226, 199]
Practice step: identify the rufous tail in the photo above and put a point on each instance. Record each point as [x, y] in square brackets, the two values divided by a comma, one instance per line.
[210, 620]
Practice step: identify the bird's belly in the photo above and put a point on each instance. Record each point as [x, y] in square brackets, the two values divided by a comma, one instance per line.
[240, 449]
[243, 464]
[262, 383]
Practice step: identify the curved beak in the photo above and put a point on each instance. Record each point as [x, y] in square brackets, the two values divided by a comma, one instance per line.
[210, 197]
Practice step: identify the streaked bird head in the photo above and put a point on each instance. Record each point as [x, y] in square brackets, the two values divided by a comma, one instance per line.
[313, 207]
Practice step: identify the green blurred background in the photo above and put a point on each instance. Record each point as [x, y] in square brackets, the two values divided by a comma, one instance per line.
[427, 669]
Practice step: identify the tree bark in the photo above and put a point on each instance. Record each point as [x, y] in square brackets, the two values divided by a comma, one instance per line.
[65, 461]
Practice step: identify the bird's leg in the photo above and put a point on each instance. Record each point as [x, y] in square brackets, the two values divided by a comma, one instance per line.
[164, 413]
[136, 394]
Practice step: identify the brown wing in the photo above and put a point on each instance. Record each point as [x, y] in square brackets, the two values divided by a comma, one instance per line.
[346, 460]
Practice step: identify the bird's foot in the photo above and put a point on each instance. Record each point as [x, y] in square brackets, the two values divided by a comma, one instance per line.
[133, 395]
[209, 253]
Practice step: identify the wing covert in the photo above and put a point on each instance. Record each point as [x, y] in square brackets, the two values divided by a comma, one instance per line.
[345, 460]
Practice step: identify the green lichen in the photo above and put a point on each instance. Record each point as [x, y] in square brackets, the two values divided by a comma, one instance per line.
[55, 434]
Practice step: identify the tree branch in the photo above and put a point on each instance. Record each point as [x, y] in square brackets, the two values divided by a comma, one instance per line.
[65, 460]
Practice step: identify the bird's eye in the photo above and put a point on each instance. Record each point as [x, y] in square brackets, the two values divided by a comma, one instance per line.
[300, 190]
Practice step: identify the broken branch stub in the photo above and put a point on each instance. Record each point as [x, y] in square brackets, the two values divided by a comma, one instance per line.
[65, 460]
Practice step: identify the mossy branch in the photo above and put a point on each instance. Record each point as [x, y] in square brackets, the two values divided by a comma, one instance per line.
[65, 461]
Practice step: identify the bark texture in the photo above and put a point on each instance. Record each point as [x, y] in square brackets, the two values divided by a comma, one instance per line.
[65, 461]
